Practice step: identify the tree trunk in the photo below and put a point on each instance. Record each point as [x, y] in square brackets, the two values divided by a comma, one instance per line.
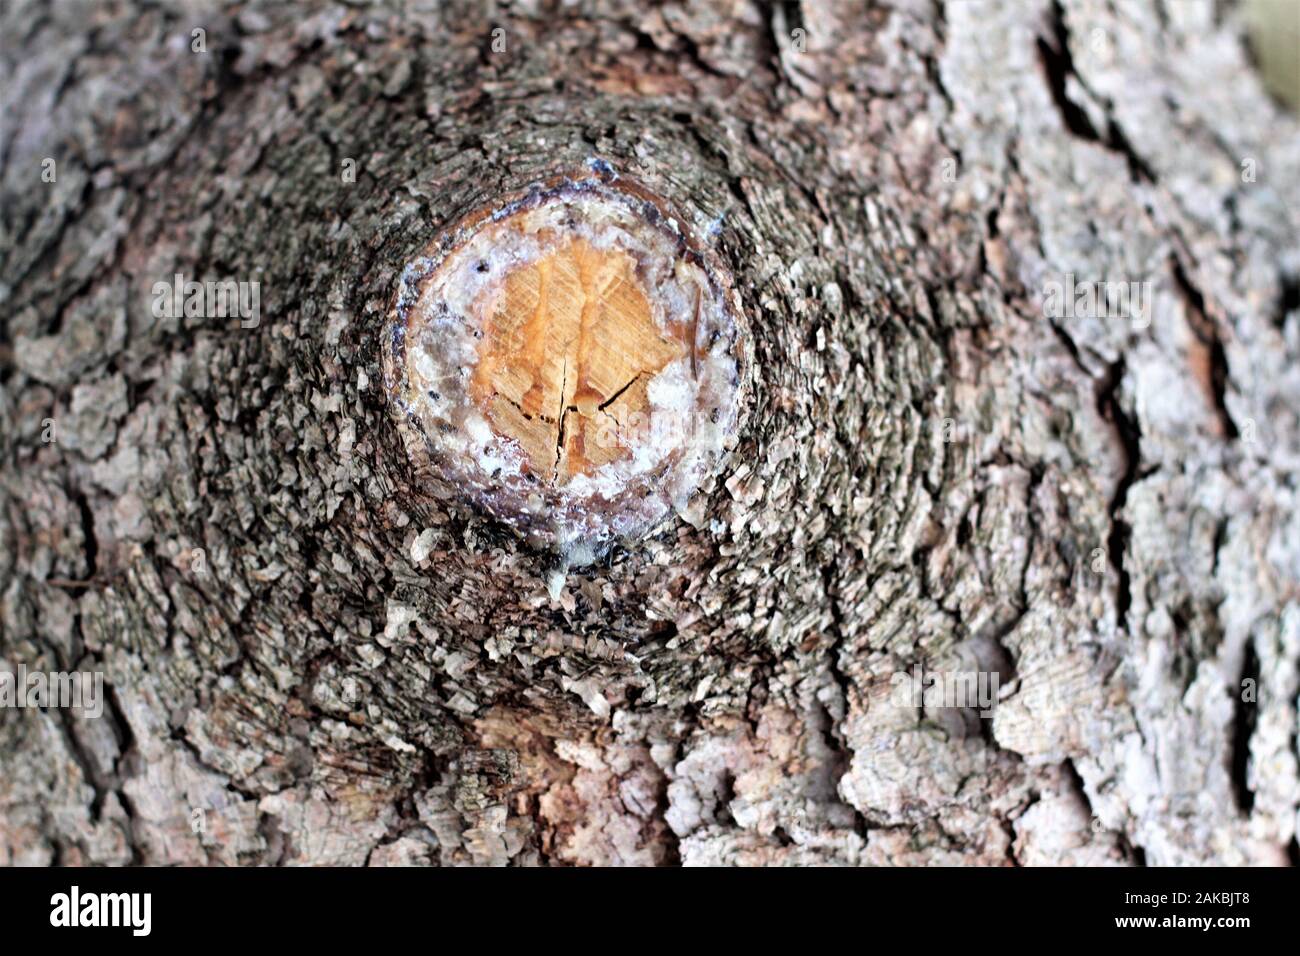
[310, 658]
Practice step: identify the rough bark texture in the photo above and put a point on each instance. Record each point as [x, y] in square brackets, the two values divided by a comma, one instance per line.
[929, 465]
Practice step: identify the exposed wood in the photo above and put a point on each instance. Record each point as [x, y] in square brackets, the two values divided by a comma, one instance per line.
[572, 335]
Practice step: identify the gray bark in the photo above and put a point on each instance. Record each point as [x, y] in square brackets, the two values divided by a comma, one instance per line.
[933, 471]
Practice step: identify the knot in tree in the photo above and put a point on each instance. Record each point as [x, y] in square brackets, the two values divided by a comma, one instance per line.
[569, 361]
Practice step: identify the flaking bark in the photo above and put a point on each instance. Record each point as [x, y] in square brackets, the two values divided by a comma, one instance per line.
[323, 664]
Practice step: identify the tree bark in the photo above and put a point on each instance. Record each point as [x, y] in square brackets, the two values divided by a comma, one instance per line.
[934, 470]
